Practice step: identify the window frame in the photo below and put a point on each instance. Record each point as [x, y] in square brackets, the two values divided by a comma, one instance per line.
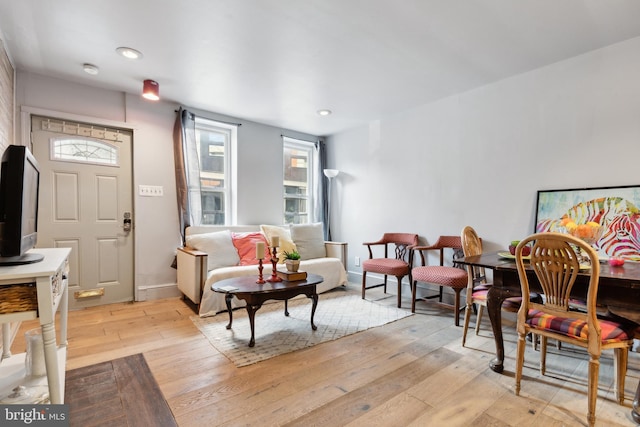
[230, 134]
[54, 157]
[312, 173]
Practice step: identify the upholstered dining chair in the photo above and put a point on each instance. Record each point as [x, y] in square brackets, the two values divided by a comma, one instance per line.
[440, 275]
[398, 265]
[556, 266]
[477, 285]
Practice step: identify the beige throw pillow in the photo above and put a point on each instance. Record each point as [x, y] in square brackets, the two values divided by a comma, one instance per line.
[218, 246]
[309, 239]
[286, 244]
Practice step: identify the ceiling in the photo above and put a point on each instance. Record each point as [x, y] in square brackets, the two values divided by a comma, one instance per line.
[279, 61]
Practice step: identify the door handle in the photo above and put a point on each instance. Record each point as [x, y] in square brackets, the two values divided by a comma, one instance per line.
[127, 222]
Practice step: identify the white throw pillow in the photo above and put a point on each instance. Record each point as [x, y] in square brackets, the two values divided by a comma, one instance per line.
[218, 246]
[309, 239]
[283, 233]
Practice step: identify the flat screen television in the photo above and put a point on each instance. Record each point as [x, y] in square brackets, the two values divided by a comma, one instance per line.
[19, 187]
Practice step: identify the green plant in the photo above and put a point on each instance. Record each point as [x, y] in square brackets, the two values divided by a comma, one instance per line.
[294, 255]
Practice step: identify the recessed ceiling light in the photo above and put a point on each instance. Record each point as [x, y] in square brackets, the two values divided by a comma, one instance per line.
[90, 69]
[324, 112]
[129, 53]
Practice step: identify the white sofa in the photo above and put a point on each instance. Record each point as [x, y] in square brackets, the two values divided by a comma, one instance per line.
[207, 258]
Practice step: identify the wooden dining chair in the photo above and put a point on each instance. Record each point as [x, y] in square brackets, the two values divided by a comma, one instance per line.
[440, 275]
[398, 265]
[477, 285]
[556, 266]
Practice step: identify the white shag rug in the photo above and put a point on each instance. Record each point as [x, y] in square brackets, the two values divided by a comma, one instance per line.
[339, 313]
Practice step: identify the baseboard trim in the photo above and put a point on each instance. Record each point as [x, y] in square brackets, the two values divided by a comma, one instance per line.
[153, 292]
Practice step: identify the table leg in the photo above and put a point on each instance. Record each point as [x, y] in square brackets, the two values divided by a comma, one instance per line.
[51, 362]
[495, 297]
[251, 311]
[227, 299]
[635, 412]
[286, 307]
[6, 341]
[64, 314]
[494, 304]
[314, 298]
[633, 315]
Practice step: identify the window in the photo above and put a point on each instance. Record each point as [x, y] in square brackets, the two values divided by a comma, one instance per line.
[83, 150]
[299, 178]
[215, 144]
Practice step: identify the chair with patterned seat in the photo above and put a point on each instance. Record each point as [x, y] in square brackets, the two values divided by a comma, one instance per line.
[556, 266]
[454, 277]
[477, 285]
[399, 265]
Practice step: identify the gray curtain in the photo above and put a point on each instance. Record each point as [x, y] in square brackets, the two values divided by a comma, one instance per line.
[187, 171]
[324, 200]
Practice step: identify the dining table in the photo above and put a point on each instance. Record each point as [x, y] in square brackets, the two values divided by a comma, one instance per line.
[618, 291]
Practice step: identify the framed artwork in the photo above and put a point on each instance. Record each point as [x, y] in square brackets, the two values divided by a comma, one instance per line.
[617, 209]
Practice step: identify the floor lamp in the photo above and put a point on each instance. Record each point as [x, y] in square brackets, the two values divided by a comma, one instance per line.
[329, 173]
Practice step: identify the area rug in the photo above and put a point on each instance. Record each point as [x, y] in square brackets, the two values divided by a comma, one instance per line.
[339, 313]
[121, 392]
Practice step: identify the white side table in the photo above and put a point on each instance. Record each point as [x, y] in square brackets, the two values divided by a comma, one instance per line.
[50, 277]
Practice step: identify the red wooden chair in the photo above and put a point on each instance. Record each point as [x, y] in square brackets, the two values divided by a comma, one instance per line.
[399, 265]
[440, 275]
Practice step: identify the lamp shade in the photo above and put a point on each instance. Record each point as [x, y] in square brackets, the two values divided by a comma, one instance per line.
[151, 90]
[331, 173]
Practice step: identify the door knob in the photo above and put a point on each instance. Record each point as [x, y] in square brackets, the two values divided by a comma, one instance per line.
[127, 222]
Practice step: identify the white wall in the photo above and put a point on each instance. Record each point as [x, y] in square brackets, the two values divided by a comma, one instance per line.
[156, 218]
[478, 158]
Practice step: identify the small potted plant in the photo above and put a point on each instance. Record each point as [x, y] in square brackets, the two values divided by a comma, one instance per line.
[292, 260]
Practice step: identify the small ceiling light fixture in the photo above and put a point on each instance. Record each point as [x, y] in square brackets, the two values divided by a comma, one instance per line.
[129, 52]
[324, 112]
[90, 69]
[151, 90]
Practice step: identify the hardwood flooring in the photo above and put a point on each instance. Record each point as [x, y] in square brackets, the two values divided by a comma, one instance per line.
[412, 372]
[120, 392]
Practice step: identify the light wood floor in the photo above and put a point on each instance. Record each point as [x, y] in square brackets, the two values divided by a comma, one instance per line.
[412, 372]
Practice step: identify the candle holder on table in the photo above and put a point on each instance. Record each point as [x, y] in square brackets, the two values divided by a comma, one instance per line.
[260, 267]
[274, 260]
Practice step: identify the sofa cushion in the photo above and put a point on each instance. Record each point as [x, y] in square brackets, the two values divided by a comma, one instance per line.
[309, 239]
[218, 246]
[286, 244]
[245, 243]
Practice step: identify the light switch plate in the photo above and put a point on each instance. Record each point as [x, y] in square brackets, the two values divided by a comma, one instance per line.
[151, 190]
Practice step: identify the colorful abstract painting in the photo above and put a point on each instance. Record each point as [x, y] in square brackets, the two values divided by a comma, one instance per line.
[615, 208]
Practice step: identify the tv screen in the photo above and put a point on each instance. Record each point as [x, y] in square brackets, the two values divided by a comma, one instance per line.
[19, 186]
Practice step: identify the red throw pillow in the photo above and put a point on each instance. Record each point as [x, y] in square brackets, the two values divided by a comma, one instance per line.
[245, 243]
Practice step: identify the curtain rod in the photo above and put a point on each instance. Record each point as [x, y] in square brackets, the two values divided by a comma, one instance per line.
[210, 118]
[300, 139]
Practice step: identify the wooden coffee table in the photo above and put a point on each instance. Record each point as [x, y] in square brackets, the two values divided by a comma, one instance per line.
[246, 288]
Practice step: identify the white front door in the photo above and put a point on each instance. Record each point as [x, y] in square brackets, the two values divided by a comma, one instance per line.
[85, 197]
